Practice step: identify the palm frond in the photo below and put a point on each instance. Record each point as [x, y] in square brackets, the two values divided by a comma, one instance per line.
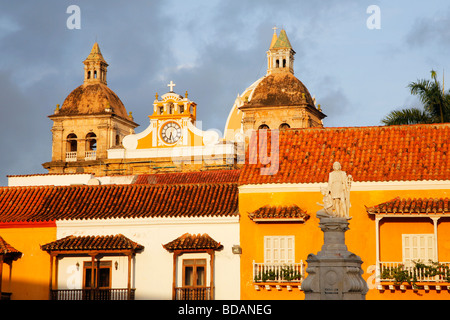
[406, 116]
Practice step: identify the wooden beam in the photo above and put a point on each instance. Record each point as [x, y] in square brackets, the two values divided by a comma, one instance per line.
[50, 283]
[211, 253]
[129, 277]
[1, 274]
[174, 281]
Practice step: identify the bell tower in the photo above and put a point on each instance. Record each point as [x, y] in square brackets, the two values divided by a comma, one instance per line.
[91, 121]
[279, 100]
[280, 57]
[95, 67]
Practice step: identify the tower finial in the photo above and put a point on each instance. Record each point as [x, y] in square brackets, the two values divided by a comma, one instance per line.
[95, 66]
[171, 85]
[274, 37]
[280, 57]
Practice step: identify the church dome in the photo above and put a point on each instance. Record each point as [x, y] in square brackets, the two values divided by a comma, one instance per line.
[280, 89]
[95, 98]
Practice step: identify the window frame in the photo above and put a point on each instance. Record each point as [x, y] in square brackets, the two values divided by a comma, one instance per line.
[408, 248]
[194, 264]
[280, 244]
[87, 265]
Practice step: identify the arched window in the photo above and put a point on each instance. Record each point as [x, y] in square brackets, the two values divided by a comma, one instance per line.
[71, 148]
[117, 140]
[277, 63]
[95, 74]
[72, 142]
[89, 75]
[284, 126]
[263, 127]
[91, 142]
[284, 63]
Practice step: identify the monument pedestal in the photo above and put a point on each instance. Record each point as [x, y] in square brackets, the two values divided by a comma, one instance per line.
[334, 273]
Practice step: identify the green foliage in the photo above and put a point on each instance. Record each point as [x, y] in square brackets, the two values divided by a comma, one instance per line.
[400, 274]
[435, 101]
[285, 273]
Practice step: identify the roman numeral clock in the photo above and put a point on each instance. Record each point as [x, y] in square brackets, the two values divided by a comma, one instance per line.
[171, 132]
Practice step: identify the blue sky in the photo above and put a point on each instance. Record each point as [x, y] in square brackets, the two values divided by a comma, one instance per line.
[214, 50]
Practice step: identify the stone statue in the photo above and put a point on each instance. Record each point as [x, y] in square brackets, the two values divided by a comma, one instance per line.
[335, 273]
[336, 196]
[327, 201]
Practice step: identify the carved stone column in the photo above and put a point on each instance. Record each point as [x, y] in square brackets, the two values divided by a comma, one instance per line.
[334, 273]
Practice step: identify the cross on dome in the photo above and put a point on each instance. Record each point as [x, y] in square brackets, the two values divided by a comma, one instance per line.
[171, 85]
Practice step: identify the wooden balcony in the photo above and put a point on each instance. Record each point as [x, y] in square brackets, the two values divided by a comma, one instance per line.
[277, 272]
[92, 294]
[392, 275]
[441, 273]
[189, 293]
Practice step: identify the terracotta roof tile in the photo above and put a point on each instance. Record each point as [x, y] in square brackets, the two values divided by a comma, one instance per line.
[193, 242]
[8, 252]
[87, 243]
[48, 203]
[210, 176]
[412, 206]
[6, 248]
[277, 213]
[386, 153]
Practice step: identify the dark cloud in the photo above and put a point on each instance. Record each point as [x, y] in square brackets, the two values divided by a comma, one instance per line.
[213, 49]
[431, 30]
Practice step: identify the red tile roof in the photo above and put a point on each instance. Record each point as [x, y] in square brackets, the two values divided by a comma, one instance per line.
[277, 213]
[47, 203]
[386, 153]
[92, 243]
[210, 176]
[7, 251]
[412, 206]
[193, 242]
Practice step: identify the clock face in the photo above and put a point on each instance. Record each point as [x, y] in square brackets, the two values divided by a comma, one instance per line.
[171, 132]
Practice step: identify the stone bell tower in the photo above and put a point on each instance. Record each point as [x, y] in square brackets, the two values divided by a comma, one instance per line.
[280, 57]
[279, 100]
[91, 120]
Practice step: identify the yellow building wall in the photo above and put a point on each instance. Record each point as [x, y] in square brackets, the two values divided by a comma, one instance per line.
[31, 273]
[360, 238]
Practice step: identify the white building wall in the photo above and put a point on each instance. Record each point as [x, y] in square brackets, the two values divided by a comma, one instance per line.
[152, 269]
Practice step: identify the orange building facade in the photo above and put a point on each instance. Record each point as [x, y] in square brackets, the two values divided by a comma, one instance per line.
[399, 210]
[27, 278]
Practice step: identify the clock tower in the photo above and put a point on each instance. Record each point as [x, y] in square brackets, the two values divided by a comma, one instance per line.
[173, 141]
[172, 114]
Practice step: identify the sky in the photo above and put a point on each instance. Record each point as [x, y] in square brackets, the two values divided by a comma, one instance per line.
[214, 50]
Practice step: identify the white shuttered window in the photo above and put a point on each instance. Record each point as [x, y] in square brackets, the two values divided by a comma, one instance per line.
[418, 247]
[279, 249]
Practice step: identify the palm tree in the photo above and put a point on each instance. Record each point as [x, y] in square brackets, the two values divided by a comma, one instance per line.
[436, 104]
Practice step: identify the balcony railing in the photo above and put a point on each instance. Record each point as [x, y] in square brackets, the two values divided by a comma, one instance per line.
[92, 294]
[71, 156]
[200, 293]
[90, 155]
[278, 272]
[397, 271]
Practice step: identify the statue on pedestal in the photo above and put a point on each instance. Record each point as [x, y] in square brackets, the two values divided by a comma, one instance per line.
[335, 273]
[336, 196]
